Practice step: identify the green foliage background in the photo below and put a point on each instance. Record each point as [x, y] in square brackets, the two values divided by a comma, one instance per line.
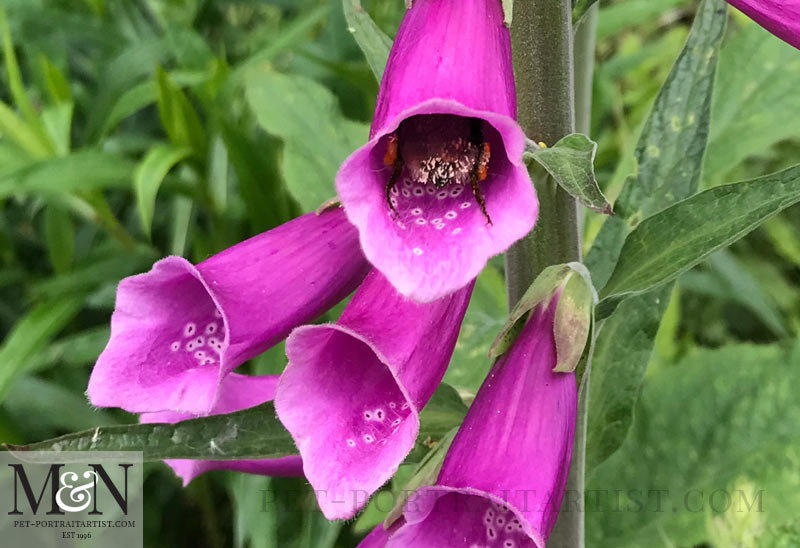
[133, 129]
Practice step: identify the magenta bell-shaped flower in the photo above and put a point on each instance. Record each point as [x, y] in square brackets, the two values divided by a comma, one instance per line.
[504, 476]
[780, 17]
[352, 391]
[236, 392]
[179, 329]
[441, 185]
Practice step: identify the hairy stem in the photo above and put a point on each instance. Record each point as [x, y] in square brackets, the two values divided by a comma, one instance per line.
[545, 77]
[542, 44]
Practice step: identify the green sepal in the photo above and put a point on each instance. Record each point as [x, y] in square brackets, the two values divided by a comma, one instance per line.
[574, 312]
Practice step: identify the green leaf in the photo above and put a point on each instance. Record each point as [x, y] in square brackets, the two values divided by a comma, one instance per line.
[247, 434]
[679, 237]
[726, 278]
[57, 84]
[317, 137]
[60, 237]
[719, 417]
[670, 150]
[571, 163]
[57, 121]
[80, 171]
[15, 82]
[150, 174]
[579, 9]
[756, 103]
[33, 331]
[15, 129]
[178, 116]
[622, 351]
[618, 16]
[74, 410]
[370, 38]
[669, 156]
[254, 433]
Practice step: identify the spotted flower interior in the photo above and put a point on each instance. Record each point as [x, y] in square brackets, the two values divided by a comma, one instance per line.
[168, 343]
[459, 519]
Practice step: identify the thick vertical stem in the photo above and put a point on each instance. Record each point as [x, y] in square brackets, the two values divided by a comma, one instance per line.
[542, 44]
[544, 71]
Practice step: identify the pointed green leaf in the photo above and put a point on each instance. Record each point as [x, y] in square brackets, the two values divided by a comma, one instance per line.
[669, 156]
[679, 237]
[80, 171]
[150, 174]
[669, 153]
[370, 38]
[41, 323]
[15, 129]
[254, 433]
[571, 163]
[178, 116]
[59, 236]
[579, 9]
[317, 136]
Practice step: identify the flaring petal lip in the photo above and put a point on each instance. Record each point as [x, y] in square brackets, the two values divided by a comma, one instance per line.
[425, 263]
[178, 330]
[352, 391]
[450, 57]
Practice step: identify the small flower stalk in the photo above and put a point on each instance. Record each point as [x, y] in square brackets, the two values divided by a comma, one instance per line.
[441, 185]
[178, 330]
[352, 391]
[236, 392]
[780, 17]
[504, 476]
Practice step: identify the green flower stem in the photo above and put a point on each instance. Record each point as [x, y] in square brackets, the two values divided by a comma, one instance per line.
[542, 43]
[543, 61]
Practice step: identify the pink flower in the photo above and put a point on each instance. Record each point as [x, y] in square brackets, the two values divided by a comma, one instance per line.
[179, 329]
[504, 476]
[352, 391]
[236, 392]
[441, 186]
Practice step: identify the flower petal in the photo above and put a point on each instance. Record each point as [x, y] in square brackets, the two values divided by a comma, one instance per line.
[236, 392]
[451, 58]
[449, 49]
[179, 329]
[511, 456]
[438, 239]
[780, 17]
[352, 391]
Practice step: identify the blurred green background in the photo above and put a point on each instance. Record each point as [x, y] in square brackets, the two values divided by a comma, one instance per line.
[132, 129]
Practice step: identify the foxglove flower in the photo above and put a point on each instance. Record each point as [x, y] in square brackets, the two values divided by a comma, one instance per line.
[441, 186]
[352, 391]
[378, 537]
[236, 392]
[780, 17]
[504, 476]
[179, 329]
